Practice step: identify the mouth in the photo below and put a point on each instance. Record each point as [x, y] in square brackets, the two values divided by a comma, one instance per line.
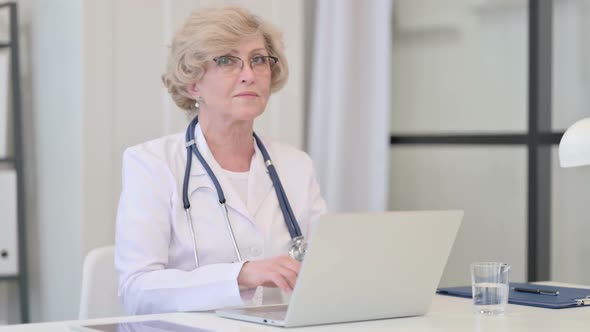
[247, 94]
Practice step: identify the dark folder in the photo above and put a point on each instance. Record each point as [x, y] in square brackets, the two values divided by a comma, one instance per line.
[568, 297]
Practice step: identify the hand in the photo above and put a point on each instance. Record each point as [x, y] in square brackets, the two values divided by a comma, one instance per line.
[280, 271]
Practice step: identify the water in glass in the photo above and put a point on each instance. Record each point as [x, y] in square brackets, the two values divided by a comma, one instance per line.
[490, 298]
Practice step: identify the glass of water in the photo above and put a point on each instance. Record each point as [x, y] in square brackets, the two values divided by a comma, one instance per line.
[489, 286]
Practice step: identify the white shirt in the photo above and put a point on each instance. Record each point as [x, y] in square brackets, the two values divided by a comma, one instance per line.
[153, 245]
[239, 181]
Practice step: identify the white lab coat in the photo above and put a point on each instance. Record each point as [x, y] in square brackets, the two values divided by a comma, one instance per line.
[153, 246]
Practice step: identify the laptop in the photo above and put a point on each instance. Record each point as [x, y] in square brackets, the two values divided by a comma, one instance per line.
[363, 267]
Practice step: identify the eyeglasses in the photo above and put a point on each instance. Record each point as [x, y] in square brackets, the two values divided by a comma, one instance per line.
[260, 64]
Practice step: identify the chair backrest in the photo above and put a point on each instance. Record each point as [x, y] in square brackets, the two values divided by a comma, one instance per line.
[99, 285]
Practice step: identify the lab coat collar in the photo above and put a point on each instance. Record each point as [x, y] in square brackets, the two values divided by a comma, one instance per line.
[259, 183]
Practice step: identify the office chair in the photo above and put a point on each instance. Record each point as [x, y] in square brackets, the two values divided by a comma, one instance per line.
[99, 285]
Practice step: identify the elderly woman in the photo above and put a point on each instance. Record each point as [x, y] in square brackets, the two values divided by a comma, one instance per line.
[204, 218]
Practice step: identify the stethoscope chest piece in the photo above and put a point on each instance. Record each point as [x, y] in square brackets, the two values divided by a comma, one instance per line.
[298, 248]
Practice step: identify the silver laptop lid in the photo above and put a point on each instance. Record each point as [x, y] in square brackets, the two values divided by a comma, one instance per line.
[372, 266]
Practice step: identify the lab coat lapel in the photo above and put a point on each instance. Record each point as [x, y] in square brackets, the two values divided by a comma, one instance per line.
[259, 183]
[199, 178]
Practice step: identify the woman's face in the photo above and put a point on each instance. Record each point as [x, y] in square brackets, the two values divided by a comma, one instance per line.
[233, 93]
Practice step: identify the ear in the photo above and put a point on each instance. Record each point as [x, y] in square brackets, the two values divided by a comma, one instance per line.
[193, 90]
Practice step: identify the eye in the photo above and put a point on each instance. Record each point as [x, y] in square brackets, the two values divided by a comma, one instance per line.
[258, 60]
[225, 61]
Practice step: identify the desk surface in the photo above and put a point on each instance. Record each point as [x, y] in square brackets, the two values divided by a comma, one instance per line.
[446, 314]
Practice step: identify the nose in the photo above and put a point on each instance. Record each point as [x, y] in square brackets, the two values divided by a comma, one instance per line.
[247, 74]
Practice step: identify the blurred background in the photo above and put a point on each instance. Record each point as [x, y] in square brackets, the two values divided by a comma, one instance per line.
[402, 104]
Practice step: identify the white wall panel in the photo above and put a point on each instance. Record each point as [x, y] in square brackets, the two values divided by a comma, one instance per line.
[99, 116]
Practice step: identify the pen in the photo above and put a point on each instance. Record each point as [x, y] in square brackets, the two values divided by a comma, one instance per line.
[536, 291]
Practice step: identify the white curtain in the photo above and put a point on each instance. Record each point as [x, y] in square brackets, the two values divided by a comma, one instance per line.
[349, 115]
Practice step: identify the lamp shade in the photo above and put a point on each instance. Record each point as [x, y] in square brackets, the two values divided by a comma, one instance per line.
[574, 147]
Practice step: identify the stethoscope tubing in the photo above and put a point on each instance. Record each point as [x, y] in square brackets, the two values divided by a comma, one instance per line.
[290, 220]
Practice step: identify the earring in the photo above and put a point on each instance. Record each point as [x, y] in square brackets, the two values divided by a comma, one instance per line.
[197, 103]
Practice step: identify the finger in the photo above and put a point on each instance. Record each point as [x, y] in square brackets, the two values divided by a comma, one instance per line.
[269, 284]
[289, 276]
[280, 281]
[290, 263]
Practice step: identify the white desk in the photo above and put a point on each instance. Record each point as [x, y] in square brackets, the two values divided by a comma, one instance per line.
[446, 314]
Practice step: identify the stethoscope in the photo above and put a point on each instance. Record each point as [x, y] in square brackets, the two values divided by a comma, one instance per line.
[298, 243]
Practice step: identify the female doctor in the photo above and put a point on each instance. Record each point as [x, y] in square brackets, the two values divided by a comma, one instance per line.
[209, 215]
